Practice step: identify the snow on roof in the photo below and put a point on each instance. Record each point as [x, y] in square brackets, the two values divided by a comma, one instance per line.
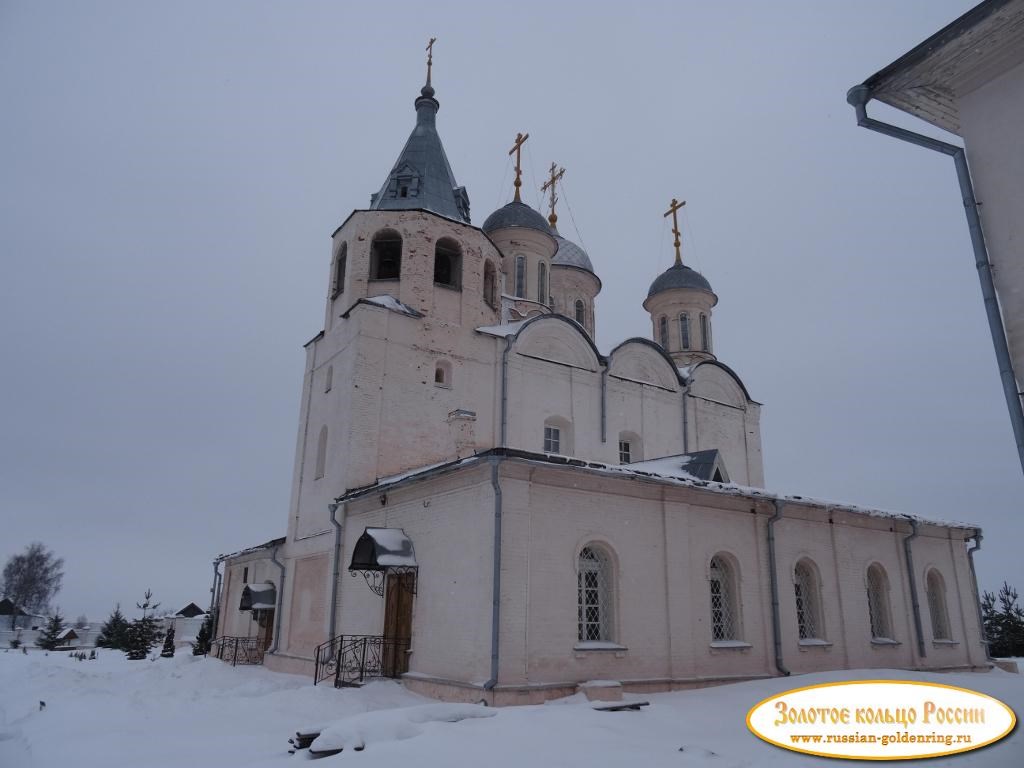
[390, 302]
[504, 330]
[668, 472]
[266, 545]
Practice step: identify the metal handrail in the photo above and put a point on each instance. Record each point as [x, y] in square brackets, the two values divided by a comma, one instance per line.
[239, 650]
[351, 659]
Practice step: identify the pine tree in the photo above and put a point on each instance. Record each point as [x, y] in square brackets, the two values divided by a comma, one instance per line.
[1004, 622]
[168, 651]
[112, 635]
[142, 633]
[50, 637]
[201, 646]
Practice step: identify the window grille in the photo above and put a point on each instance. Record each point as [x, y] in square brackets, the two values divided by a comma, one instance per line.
[552, 440]
[806, 588]
[878, 603]
[684, 331]
[723, 600]
[594, 596]
[937, 607]
[624, 452]
[521, 277]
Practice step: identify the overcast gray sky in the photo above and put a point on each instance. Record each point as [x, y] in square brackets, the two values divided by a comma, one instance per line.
[170, 174]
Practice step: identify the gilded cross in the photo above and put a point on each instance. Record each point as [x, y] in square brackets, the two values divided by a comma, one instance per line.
[430, 56]
[549, 186]
[517, 147]
[675, 206]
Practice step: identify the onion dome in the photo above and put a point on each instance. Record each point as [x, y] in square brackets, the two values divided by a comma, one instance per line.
[569, 254]
[516, 214]
[679, 276]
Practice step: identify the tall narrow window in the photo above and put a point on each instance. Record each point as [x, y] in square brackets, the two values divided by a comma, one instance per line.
[490, 285]
[329, 380]
[705, 341]
[808, 601]
[443, 374]
[321, 453]
[936, 588]
[338, 278]
[552, 439]
[542, 282]
[581, 312]
[521, 277]
[878, 603]
[386, 255]
[724, 608]
[448, 263]
[245, 575]
[625, 452]
[684, 331]
[594, 595]
[663, 331]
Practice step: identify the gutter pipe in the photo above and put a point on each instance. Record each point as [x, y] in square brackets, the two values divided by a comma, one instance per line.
[337, 562]
[504, 390]
[914, 602]
[215, 600]
[773, 577]
[280, 600]
[974, 580]
[858, 97]
[496, 578]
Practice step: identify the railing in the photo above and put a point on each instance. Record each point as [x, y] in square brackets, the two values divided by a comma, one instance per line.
[239, 650]
[351, 659]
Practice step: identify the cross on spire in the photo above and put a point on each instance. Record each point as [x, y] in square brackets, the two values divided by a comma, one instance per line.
[675, 206]
[549, 186]
[430, 56]
[517, 147]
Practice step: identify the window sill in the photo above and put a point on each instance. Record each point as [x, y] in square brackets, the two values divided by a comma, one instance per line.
[730, 645]
[885, 641]
[449, 286]
[945, 643]
[599, 645]
[385, 279]
[813, 642]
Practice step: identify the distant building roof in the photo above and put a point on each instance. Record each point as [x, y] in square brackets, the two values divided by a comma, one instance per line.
[7, 608]
[190, 610]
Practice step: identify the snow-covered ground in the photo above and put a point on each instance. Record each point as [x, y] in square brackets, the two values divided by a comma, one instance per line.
[189, 711]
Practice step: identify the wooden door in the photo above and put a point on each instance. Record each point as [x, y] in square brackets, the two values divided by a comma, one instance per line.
[397, 624]
[266, 628]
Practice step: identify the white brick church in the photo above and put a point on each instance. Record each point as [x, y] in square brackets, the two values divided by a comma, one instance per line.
[490, 508]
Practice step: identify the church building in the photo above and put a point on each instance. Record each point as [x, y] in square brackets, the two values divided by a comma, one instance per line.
[490, 508]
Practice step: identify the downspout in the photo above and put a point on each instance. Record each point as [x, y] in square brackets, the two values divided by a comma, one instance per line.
[504, 391]
[215, 600]
[604, 405]
[914, 602]
[686, 428]
[337, 562]
[496, 579]
[974, 580]
[280, 601]
[773, 578]
[858, 97]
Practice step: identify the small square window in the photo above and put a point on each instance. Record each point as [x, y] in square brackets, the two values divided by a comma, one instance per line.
[624, 452]
[552, 440]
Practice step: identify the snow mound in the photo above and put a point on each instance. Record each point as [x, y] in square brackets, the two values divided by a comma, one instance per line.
[357, 731]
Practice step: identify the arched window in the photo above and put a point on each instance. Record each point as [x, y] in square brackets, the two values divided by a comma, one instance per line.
[443, 374]
[594, 595]
[557, 436]
[448, 263]
[724, 604]
[521, 277]
[663, 331]
[808, 601]
[581, 312]
[321, 453]
[338, 276]
[386, 255]
[684, 331]
[705, 337]
[542, 283]
[878, 603]
[329, 380]
[937, 606]
[490, 285]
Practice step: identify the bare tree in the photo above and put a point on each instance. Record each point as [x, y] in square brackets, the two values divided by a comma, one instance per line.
[82, 622]
[32, 578]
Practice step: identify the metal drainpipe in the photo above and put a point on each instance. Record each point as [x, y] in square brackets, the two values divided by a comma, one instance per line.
[604, 405]
[496, 591]
[504, 390]
[858, 97]
[914, 602]
[280, 601]
[773, 578]
[686, 430]
[337, 562]
[215, 600]
[974, 580]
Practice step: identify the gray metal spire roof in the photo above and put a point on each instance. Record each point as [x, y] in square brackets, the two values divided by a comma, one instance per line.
[422, 177]
[679, 276]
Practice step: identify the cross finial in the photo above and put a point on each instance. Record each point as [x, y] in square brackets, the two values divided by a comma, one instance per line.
[549, 187]
[675, 206]
[517, 147]
[430, 56]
